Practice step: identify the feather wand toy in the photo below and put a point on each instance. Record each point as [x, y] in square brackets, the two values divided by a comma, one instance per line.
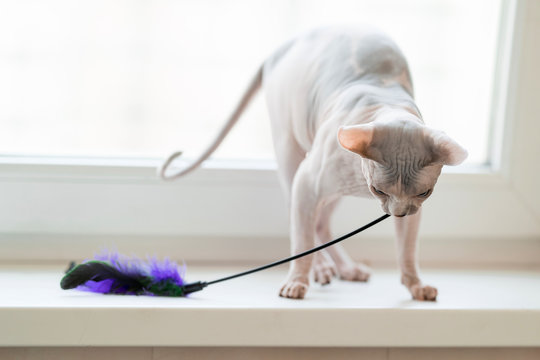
[115, 274]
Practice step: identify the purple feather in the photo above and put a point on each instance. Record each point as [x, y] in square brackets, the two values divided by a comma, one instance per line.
[152, 277]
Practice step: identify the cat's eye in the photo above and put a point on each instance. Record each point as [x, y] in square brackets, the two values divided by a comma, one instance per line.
[424, 194]
[379, 191]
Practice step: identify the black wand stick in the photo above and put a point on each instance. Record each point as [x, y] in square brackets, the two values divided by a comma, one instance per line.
[199, 285]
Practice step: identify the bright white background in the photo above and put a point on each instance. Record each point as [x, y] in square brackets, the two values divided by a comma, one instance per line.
[65, 208]
[142, 78]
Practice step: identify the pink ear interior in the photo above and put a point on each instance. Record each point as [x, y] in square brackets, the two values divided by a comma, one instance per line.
[356, 138]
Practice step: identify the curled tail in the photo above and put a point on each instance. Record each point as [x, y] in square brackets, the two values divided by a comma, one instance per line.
[244, 102]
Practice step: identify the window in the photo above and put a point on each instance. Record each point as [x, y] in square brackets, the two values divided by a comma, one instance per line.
[109, 87]
[143, 78]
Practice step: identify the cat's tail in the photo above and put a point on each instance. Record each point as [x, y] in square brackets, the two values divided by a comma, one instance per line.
[242, 105]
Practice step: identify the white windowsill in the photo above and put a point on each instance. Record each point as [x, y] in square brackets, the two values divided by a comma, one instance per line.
[475, 308]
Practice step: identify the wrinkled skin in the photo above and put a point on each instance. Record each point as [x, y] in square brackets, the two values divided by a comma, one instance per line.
[344, 122]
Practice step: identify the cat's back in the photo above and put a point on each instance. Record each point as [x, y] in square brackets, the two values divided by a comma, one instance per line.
[338, 55]
[307, 72]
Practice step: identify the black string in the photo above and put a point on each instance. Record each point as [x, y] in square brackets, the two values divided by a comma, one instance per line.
[294, 257]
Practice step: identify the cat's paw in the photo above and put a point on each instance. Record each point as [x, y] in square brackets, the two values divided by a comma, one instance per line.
[354, 272]
[295, 287]
[423, 292]
[324, 269]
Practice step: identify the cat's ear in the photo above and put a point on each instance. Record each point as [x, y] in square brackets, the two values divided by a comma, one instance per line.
[358, 139]
[446, 150]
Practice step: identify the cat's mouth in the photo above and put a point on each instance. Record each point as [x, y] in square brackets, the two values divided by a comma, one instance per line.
[399, 214]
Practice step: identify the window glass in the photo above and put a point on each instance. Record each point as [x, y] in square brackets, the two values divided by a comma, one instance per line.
[142, 78]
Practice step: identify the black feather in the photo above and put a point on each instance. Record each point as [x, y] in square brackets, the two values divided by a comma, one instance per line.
[99, 271]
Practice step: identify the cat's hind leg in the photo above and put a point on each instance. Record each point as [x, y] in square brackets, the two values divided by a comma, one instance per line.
[347, 269]
[324, 268]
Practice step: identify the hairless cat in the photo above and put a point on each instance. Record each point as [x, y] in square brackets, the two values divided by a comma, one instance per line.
[344, 122]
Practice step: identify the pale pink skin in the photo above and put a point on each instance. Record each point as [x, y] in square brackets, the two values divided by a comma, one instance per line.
[322, 147]
[344, 122]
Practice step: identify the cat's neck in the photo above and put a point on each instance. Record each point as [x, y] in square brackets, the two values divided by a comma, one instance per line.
[361, 103]
[387, 113]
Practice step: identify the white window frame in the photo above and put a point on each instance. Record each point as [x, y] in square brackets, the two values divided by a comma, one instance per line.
[62, 208]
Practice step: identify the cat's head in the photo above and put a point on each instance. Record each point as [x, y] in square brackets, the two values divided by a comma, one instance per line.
[403, 160]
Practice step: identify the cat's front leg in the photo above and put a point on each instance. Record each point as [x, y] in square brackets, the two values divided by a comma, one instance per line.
[304, 210]
[407, 234]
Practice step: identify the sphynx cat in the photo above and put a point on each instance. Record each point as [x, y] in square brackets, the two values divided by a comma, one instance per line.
[344, 122]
